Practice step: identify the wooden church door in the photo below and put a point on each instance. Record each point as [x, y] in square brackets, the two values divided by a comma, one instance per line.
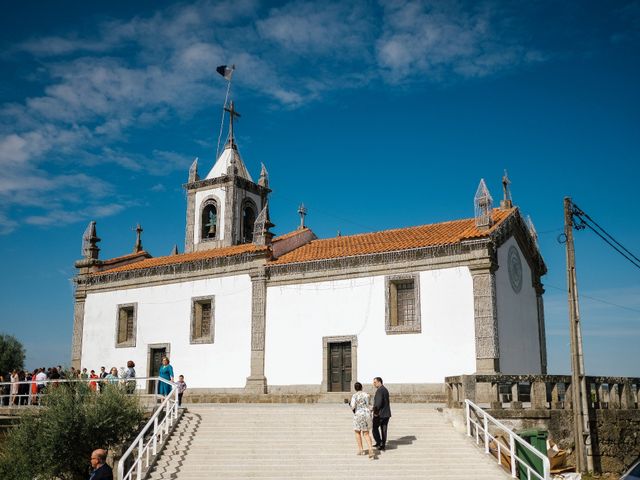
[156, 354]
[340, 367]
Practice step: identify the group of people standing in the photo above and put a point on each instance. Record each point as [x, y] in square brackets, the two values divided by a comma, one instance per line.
[367, 415]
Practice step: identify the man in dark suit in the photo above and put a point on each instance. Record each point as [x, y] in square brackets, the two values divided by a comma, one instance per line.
[381, 414]
[101, 471]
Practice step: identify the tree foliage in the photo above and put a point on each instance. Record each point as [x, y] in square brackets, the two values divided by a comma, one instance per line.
[56, 442]
[11, 354]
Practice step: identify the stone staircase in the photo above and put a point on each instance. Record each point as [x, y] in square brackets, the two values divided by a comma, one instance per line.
[316, 441]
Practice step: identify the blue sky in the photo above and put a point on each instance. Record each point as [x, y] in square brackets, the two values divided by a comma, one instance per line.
[375, 115]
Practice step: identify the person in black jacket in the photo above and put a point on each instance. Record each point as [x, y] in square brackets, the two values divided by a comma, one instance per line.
[101, 471]
[381, 414]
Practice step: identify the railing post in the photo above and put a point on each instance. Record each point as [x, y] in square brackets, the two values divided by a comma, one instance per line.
[512, 450]
[614, 395]
[538, 395]
[546, 469]
[155, 436]
[627, 396]
[467, 413]
[495, 401]
[516, 404]
[485, 422]
[140, 447]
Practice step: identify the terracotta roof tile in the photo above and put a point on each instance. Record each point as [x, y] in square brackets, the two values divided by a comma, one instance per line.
[188, 257]
[290, 234]
[444, 233]
[128, 256]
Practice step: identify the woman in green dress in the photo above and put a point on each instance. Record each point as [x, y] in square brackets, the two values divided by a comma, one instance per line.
[166, 372]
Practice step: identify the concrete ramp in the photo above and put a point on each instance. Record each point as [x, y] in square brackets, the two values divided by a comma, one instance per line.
[316, 441]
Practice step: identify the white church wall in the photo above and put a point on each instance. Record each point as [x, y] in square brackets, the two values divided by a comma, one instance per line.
[201, 196]
[517, 317]
[164, 316]
[299, 316]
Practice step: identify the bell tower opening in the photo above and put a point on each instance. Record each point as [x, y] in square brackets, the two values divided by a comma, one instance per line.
[209, 220]
[248, 222]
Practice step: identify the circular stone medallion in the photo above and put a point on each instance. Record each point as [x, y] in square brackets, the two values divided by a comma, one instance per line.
[515, 269]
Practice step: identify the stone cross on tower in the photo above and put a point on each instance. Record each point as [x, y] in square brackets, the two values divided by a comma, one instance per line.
[302, 211]
[506, 193]
[138, 246]
[232, 113]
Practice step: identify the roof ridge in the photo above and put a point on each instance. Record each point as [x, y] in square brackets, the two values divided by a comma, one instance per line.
[408, 228]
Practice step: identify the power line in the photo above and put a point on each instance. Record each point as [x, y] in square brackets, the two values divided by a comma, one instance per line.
[586, 221]
[631, 309]
[582, 213]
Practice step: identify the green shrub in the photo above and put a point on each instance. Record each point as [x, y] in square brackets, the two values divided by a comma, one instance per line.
[56, 442]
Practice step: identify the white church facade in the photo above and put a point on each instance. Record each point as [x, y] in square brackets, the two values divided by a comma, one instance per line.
[242, 310]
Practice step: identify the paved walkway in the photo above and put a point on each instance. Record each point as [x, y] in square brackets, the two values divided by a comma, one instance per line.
[287, 441]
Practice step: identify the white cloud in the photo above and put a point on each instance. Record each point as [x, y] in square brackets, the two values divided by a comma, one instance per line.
[135, 73]
[336, 29]
[438, 39]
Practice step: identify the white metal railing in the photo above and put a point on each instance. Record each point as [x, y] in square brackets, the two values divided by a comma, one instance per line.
[480, 428]
[151, 438]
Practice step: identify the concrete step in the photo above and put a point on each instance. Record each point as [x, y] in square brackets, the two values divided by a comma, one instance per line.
[316, 441]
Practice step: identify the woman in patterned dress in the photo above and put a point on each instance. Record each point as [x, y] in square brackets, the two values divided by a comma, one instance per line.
[361, 407]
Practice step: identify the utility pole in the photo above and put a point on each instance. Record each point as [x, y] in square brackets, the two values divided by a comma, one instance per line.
[580, 400]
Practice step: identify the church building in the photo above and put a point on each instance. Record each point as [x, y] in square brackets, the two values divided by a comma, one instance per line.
[242, 310]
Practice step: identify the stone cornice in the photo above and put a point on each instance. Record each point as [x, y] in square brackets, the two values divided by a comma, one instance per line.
[181, 272]
[226, 179]
[443, 256]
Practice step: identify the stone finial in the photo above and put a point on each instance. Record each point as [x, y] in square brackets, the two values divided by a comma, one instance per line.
[483, 204]
[138, 246]
[302, 211]
[506, 201]
[264, 177]
[193, 171]
[261, 233]
[174, 250]
[90, 249]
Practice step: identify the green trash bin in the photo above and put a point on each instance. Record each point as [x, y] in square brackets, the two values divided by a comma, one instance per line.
[538, 439]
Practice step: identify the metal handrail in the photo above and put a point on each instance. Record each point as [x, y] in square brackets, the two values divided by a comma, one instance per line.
[160, 430]
[513, 439]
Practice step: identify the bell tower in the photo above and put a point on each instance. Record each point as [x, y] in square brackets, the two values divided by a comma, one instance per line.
[223, 207]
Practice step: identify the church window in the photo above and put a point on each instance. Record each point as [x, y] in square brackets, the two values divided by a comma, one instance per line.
[209, 220]
[248, 222]
[202, 320]
[126, 325]
[402, 312]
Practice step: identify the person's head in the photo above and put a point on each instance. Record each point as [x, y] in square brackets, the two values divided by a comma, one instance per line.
[357, 386]
[102, 369]
[114, 371]
[165, 361]
[98, 458]
[84, 370]
[181, 378]
[377, 381]
[130, 364]
[93, 372]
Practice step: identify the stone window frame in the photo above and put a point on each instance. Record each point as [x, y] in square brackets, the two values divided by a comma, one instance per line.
[324, 387]
[210, 200]
[210, 338]
[132, 341]
[389, 281]
[245, 203]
